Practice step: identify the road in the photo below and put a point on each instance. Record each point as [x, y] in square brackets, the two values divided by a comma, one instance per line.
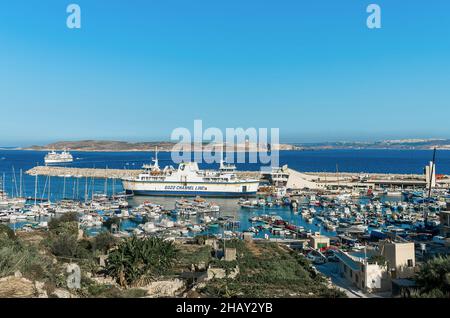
[331, 270]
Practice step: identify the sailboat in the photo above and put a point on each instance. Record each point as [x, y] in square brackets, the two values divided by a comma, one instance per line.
[5, 200]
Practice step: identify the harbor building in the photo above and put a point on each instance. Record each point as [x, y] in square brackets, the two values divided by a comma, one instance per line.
[319, 241]
[400, 258]
[370, 273]
[430, 175]
[360, 272]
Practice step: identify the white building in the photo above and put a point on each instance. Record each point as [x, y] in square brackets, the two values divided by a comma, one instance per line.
[430, 174]
[367, 276]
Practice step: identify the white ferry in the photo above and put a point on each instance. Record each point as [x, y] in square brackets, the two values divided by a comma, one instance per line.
[54, 157]
[189, 180]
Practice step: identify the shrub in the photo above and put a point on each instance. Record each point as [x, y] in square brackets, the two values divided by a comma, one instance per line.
[64, 245]
[433, 278]
[136, 261]
[110, 221]
[54, 223]
[6, 232]
[62, 237]
[17, 256]
[103, 242]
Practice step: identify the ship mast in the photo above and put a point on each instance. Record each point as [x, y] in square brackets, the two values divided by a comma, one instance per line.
[156, 164]
[35, 188]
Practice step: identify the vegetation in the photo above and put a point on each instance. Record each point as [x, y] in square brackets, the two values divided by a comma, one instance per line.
[54, 223]
[103, 242]
[433, 278]
[267, 270]
[6, 232]
[194, 255]
[105, 291]
[136, 261]
[15, 255]
[111, 221]
[62, 237]
[379, 259]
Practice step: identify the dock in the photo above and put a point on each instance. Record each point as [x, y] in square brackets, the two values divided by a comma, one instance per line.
[95, 173]
[99, 173]
[297, 180]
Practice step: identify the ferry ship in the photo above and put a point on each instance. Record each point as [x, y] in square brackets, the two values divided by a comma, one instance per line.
[189, 180]
[54, 157]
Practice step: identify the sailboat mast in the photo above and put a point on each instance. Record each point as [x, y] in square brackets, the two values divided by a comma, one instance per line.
[35, 188]
[114, 186]
[106, 181]
[49, 193]
[20, 184]
[3, 185]
[64, 188]
[14, 180]
[86, 190]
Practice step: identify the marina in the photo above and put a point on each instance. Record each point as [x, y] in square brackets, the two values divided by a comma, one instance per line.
[331, 204]
[332, 218]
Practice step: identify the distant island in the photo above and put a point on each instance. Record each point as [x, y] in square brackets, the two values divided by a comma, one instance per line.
[109, 145]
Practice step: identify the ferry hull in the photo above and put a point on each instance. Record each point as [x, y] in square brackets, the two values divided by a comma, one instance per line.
[49, 162]
[236, 190]
[192, 194]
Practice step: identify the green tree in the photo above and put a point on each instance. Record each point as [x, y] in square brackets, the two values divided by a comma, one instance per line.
[433, 278]
[104, 241]
[62, 237]
[137, 261]
[70, 217]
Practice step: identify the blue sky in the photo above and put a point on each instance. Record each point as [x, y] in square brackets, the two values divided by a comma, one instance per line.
[138, 69]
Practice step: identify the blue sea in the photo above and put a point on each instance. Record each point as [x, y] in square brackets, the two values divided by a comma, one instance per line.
[364, 160]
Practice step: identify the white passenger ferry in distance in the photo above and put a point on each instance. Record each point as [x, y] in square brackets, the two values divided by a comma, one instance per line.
[189, 180]
[54, 157]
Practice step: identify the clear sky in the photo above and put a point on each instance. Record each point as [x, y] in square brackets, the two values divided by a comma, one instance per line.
[138, 69]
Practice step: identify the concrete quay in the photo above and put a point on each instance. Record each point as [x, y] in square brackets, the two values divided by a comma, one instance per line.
[99, 173]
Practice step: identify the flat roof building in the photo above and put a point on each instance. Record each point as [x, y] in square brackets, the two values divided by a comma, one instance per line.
[400, 257]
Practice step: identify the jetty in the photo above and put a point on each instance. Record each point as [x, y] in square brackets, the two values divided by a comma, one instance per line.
[95, 173]
[294, 179]
[105, 173]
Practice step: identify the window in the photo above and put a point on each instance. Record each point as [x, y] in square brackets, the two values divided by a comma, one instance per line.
[410, 263]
